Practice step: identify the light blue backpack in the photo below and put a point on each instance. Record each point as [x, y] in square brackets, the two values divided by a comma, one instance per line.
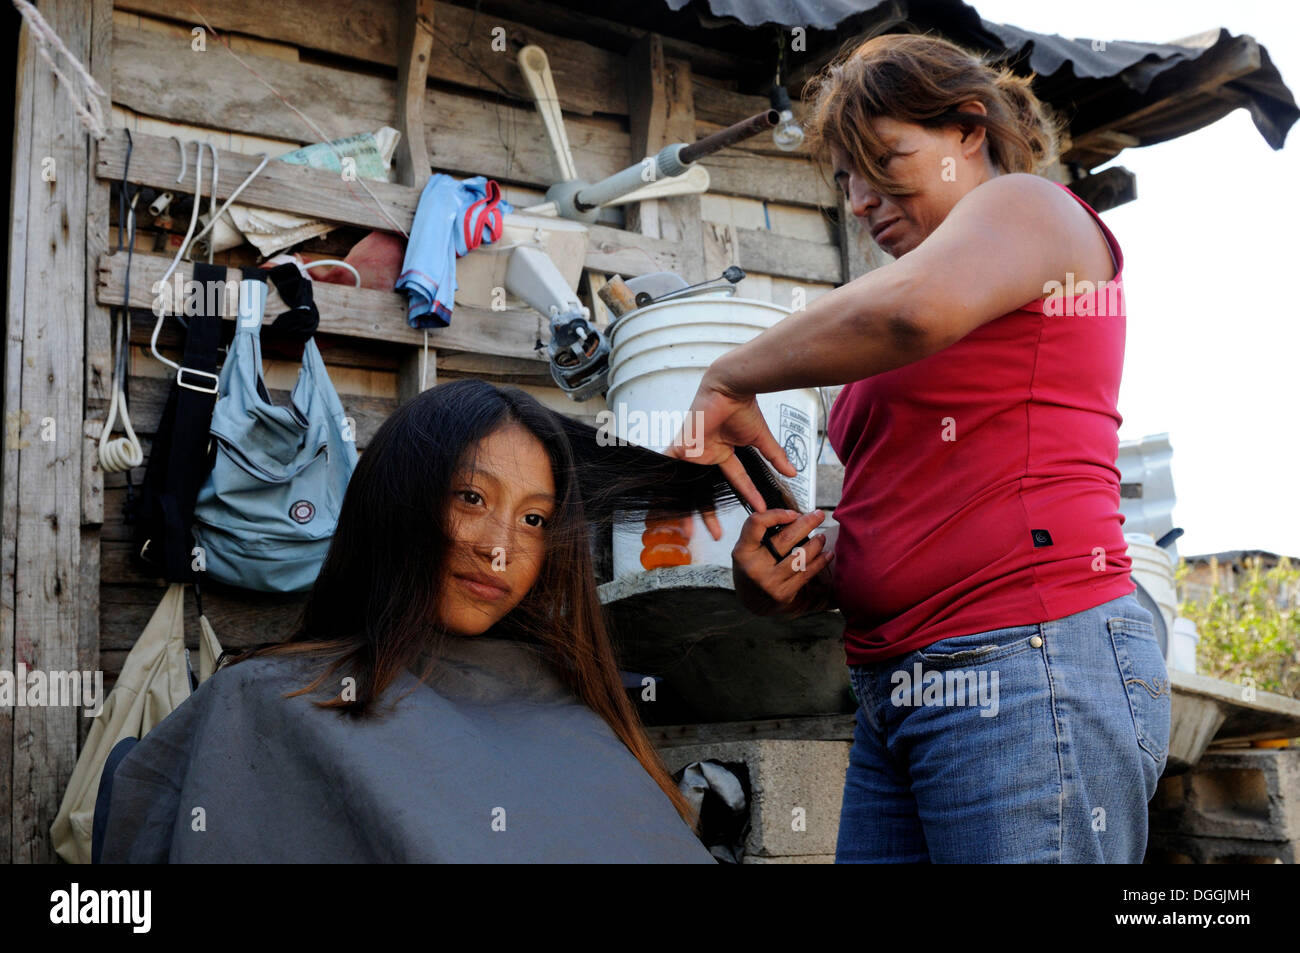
[266, 512]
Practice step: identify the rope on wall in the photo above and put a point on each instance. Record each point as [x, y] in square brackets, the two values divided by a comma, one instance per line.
[84, 93]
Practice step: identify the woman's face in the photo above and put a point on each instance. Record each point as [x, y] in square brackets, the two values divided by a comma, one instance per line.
[939, 163]
[498, 514]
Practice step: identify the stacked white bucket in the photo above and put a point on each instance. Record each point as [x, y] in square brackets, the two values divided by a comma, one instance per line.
[1153, 567]
[659, 355]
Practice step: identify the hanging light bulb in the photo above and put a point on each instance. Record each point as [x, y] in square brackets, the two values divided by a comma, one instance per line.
[788, 134]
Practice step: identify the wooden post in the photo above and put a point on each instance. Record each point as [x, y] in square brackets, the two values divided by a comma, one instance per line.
[647, 110]
[681, 217]
[415, 21]
[661, 108]
[98, 372]
[43, 406]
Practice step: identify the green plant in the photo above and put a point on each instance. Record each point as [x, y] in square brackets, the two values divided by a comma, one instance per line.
[1252, 630]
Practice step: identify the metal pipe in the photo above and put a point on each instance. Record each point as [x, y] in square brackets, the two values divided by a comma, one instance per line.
[729, 136]
[671, 161]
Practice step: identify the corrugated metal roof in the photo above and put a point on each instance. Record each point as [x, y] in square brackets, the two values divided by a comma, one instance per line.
[819, 14]
[1146, 465]
[1139, 65]
[1116, 86]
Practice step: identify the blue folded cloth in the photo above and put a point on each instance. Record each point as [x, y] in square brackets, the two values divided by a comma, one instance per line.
[452, 218]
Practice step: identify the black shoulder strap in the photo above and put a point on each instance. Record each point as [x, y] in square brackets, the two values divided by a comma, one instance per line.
[300, 321]
[179, 460]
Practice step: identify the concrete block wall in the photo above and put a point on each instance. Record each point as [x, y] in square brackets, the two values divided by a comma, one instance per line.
[1237, 806]
[795, 793]
[1234, 806]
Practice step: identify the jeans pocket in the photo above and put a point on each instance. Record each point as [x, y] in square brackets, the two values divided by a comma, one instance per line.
[980, 648]
[857, 684]
[1146, 682]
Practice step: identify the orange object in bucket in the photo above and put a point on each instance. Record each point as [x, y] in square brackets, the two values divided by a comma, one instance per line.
[665, 544]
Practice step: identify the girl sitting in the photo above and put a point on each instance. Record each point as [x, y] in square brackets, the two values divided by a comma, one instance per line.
[450, 693]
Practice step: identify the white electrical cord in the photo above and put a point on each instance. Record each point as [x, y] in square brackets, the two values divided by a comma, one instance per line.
[194, 217]
[212, 198]
[233, 195]
[191, 238]
[121, 453]
[181, 146]
[340, 263]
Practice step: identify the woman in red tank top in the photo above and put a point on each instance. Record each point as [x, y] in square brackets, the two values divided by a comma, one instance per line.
[980, 543]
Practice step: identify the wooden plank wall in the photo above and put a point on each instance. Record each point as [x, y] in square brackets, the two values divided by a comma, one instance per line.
[768, 211]
[51, 336]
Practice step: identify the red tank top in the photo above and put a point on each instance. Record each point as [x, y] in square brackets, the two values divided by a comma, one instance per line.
[980, 485]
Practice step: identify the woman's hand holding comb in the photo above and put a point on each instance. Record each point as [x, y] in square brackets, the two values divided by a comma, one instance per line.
[766, 586]
[720, 420]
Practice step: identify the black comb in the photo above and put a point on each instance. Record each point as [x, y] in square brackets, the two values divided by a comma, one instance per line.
[772, 490]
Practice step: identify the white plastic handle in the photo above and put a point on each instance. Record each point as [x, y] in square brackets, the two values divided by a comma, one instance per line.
[549, 209]
[693, 181]
[537, 74]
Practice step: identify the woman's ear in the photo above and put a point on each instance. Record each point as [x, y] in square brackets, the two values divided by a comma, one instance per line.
[972, 134]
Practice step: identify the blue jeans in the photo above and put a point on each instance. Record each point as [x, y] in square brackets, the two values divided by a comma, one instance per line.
[1031, 744]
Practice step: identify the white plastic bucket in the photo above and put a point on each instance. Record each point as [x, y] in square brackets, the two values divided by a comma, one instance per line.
[659, 356]
[1182, 645]
[1154, 569]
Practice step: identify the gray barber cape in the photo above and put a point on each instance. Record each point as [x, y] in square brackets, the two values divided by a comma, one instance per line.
[491, 759]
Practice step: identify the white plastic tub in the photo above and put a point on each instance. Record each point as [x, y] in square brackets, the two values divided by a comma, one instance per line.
[1183, 641]
[659, 355]
[1153, 567]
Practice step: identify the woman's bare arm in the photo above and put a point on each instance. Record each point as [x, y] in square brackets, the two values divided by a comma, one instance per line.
[996, 250]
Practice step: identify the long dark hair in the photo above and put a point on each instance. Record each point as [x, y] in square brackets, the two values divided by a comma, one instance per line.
[372, 604]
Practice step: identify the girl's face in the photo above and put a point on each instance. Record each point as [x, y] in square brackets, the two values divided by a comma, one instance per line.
[498, 515]
[941, 164]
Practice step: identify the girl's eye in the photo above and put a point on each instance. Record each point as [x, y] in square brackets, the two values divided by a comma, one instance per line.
[466, 493]
[542, 520]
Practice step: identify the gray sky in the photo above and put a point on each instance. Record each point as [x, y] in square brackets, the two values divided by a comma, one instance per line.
[1210, 248]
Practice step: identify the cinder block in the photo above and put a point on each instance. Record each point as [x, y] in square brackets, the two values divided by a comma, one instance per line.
[802, 859]
[796, 790]
[1246, 793]
[1164, 848]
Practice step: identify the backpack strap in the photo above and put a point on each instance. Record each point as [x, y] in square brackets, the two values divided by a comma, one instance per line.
[292, 329]
[180, 459]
